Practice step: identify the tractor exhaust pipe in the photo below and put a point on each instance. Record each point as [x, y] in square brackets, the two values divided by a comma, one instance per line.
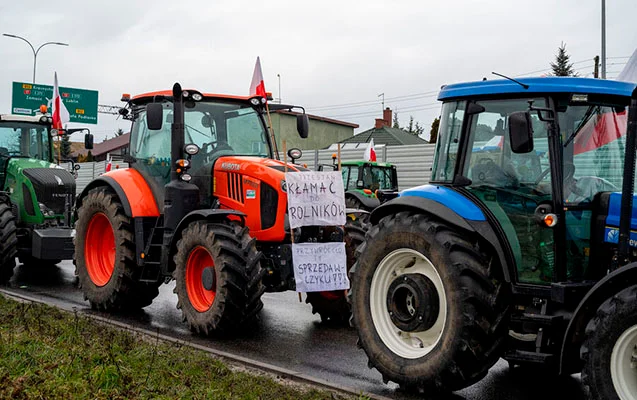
[628, 185]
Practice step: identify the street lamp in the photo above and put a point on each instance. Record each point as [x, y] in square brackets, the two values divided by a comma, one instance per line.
[35, 52]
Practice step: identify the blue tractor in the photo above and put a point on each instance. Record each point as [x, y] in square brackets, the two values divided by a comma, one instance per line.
[523, 246]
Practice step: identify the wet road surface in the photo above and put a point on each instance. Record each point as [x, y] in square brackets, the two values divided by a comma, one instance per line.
[288, 336]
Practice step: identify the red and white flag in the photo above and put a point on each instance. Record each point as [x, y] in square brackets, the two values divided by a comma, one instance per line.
[60, 113]
[370, 153]
[257, 87]
[109, 162]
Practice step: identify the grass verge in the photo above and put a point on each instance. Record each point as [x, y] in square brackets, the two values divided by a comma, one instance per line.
[49, 353]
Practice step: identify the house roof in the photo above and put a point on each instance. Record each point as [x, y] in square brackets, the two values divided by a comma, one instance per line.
[387, 136]
[111, 144]
[319, 118]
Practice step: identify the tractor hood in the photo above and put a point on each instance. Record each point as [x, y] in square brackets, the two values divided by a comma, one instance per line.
[41, 182]
[255, 166]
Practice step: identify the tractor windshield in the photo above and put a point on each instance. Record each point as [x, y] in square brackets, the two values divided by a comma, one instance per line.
[218, 128]
[24, 139]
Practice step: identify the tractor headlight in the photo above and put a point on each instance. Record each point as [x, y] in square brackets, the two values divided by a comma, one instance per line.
[44, 119]
[46, 211]
[197, 96]
[284, 186]
[186, 177]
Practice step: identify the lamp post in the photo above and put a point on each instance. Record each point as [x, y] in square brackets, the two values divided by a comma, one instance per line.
[279, 76]
[35, 52]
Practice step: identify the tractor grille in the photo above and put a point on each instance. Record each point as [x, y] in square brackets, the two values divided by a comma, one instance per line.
[235, 187]
[269, 202]
[52, 186]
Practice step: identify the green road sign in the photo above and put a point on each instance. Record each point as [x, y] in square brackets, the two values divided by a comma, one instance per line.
[27, 99]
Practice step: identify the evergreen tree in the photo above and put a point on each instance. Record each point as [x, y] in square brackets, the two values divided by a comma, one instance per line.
[89, 156]
[433, 133]
[395, 123]
[562, 66]
[119, 132]
[65, 150]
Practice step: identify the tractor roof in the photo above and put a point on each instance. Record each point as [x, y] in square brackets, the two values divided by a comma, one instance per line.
[536, 85]
[36, 119]
[168, 93]
[374, 163]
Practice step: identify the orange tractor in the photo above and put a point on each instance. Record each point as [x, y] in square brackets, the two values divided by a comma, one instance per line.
[204, 202]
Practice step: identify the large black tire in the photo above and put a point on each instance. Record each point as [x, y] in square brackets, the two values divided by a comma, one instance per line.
[235, 297]
[444, 324]
[113, 284]
[613, 332]
[333, 306]
[8, 242]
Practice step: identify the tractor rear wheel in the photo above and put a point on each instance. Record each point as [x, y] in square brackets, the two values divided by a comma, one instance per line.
[8, 242]
[218, 276]
[105, 255]
[429, 303]
[609, 351]
[332, 306]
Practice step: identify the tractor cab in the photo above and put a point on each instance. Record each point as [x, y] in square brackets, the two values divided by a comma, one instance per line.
[540, 165]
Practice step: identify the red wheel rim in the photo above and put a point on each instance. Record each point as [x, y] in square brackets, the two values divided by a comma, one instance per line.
[200, 298]
[99, 249]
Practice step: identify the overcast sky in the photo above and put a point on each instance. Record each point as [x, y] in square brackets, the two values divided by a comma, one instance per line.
[329, 54]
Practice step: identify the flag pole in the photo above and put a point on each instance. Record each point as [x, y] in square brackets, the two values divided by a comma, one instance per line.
[276, 150]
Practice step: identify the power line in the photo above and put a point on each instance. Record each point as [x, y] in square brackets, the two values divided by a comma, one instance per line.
[414, 96]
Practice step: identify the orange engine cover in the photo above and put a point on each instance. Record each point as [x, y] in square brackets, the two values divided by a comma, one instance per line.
[253, 185]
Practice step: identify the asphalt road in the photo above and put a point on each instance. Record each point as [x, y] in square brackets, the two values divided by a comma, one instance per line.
[288, 336]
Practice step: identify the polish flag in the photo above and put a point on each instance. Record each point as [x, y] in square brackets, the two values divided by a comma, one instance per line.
[60, 113]
[370, 153]
[257, 87]
[109, 162]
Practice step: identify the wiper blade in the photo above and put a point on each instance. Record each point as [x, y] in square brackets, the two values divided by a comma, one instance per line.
[587, 117]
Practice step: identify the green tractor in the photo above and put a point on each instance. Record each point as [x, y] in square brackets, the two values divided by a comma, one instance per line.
[367, 184]
[36, 195]
[523, 246]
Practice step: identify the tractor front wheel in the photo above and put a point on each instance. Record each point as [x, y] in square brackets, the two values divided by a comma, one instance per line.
[332, 306]
[609, 351]
[105, 255]
[8, 242]
[429, 303]
[218, 276]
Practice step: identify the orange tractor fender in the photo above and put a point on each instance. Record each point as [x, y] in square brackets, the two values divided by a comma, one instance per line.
[132, 190]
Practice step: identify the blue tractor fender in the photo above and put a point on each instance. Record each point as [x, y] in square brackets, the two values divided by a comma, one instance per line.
[604, 289]
[453, 208]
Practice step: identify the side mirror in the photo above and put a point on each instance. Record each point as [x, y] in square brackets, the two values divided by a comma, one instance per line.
[303, 125]
[154, 116]
[521, 132]
[88, 141]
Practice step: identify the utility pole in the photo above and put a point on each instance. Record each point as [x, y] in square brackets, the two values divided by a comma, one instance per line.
[596, 68]
[279, 76]
[603, 39]
[383, 101]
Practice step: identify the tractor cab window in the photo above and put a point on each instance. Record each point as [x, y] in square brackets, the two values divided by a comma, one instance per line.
[492, 163]
[350, 176]
[24, 139]
[594, 141]
[448, 139]
[381, 178]
[512, 185]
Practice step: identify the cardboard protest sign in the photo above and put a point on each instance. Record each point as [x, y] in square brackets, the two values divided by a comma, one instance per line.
[315, 198]
[320, 266]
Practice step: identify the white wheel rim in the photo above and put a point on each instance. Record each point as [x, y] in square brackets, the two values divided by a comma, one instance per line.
[623, 364]
[409, 345]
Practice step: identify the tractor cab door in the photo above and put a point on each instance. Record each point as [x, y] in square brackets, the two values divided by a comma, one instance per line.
[512, 186]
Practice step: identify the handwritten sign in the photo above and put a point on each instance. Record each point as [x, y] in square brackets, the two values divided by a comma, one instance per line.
[320, 266]
[315, 198]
